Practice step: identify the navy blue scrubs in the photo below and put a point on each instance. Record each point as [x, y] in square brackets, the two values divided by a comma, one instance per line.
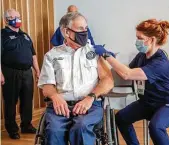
[153, 105]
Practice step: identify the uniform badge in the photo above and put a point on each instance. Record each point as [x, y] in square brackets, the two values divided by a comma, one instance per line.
[12, 37]
[90, 55]
[54, 61]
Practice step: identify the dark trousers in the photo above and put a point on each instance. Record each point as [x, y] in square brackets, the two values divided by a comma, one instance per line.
[159, 121]
[18, 84]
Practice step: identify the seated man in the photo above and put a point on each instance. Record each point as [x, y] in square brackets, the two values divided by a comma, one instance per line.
[57, 38]
[73, 77]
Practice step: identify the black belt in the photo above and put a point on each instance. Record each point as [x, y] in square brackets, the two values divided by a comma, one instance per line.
[49, 102]
[71, 103]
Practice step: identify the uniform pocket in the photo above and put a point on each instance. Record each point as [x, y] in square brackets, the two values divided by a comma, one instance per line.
[60, 68]
[91, 69]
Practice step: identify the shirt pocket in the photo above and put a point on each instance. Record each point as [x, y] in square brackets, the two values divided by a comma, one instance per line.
[91, 69]
[60, 67]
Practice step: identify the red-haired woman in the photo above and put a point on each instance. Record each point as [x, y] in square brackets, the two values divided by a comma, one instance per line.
[151, 70]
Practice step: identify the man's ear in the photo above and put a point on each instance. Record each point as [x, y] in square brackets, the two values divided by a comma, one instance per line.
[66, 32]
[6, 20]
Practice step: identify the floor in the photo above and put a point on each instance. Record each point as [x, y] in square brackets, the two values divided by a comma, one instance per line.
[28, 139]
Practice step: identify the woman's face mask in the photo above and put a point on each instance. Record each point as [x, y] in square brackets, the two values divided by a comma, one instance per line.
[80, 37]
[16, 23]
[141, 46]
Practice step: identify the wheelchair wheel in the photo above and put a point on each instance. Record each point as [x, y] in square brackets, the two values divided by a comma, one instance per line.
[108, 126]
[40, 138]
[98, 142]
[114, 128]
[99, 132]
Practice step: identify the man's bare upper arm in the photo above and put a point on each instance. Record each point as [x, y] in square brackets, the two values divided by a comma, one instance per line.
[104, 70]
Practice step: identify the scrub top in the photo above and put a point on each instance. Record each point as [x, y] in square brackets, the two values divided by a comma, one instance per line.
[155, 90]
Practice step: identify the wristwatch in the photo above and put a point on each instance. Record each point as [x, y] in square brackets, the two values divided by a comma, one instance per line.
[106, 54]
[92, 95]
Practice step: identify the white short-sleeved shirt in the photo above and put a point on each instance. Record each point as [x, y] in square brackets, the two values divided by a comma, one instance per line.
[73, 72]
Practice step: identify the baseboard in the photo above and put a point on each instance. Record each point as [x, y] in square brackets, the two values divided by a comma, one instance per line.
[37, 113]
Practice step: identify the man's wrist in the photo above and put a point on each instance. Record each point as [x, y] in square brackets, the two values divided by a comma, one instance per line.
[54, 96]
[92, 95]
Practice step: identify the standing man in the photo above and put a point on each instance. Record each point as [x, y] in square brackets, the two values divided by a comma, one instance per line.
[57, 38]
[18, 56]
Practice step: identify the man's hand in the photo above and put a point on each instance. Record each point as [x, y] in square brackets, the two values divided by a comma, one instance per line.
[60, 106]
[37, 74]
[100, 50]
[83, 106]
[2, 79]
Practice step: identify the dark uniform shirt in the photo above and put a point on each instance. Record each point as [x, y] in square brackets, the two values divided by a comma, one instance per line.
[156, 69]
[16, 49]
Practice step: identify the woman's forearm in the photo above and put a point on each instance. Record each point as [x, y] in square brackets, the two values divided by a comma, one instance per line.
[125, 72]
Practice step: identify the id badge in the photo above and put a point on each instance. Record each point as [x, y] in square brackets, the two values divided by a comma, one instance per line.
[141, 87]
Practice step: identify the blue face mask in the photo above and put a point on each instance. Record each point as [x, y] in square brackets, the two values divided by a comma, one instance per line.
[140, 46]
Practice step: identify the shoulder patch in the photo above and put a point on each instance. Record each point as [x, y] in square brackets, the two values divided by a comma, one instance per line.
[26, 37]
[90, 55]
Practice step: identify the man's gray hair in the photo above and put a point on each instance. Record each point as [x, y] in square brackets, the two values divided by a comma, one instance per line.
[66, 20]
[6, 14]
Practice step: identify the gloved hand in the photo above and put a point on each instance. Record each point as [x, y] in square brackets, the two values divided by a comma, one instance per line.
[100, 50]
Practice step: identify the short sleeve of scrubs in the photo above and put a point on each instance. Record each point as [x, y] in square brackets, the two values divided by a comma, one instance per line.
[47, 75]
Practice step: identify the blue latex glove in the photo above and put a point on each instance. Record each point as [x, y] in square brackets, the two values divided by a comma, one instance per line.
[100, 50]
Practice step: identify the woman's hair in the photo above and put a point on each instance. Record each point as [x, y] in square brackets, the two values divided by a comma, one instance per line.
[153, 27]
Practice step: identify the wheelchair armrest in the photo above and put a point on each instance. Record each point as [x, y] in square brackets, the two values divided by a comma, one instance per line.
[124, 86]
[114, 94]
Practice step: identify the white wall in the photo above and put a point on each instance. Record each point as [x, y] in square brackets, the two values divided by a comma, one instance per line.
[112, 22]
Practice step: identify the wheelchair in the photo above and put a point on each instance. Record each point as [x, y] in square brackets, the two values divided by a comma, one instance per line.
[105, 130]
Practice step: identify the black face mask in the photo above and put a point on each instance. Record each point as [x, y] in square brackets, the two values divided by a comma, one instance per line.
[80, 37]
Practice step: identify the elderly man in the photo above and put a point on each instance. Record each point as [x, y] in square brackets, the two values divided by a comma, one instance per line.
[74, 78]
[57, 38]
[18, 56]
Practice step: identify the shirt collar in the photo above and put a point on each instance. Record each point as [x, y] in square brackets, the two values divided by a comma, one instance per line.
[68, 49]
[10, 30]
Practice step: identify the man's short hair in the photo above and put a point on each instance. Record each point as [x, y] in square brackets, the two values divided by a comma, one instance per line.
[7, 12]
[72, 8]
[66, 20]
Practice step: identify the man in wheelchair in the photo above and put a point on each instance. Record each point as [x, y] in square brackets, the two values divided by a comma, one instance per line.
[73, 77]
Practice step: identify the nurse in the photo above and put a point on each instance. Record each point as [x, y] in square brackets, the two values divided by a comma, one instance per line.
[150, 68]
